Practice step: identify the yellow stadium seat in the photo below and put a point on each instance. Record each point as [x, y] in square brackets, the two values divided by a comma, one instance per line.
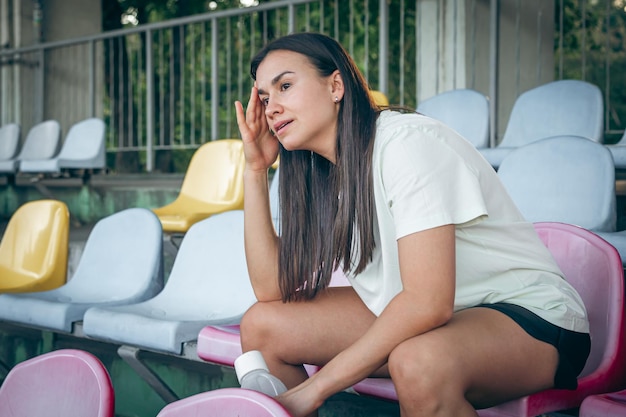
[380, 99]
[34, 247]
[213, 184]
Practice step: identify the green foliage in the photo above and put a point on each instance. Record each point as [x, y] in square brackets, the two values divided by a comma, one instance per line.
[593, 49]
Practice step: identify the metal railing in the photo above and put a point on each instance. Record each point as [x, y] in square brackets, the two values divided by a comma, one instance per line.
[171, 85]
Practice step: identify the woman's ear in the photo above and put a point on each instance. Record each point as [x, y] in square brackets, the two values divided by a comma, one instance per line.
[337, 88]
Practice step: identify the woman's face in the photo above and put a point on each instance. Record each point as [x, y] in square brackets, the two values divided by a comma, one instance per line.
[301, 106]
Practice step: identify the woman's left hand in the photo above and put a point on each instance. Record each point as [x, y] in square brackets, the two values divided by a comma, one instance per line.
[300, 401]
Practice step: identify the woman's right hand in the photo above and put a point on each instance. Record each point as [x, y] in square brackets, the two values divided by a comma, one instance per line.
[260, 146]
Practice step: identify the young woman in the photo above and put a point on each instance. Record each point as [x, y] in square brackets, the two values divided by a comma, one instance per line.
[453, 295]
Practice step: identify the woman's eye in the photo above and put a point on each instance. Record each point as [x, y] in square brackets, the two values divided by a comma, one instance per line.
[284, 86]
[265, 100]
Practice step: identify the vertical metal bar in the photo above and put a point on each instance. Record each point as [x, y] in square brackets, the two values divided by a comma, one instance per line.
[149, 103]
[40, 90]
[203, 136]
[171, 87]
[322, 16]
[418, 59]
[539, 44]
[366, 40]
[229, 77]
[130, 101]
[518, 48]
[607, 86]
[192, 84]
[92, 78]
[583, 15]
[473, 42]
[351, 27]
[141, 101]
[561, 11]
[493, 69]
[401, 55]
[183, 56]
[455, 42]
[120, 89]
[383, 45]
[214, 81]
[439, 42]
[336, 20]
[291, 25]
[161, 92]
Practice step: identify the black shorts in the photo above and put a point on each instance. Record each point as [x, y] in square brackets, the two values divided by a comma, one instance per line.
[573, 347]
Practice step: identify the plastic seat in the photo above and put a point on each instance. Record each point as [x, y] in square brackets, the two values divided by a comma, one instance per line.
[225, 402]
[213, 184]
[594, 268]
[83, 148]
[379, 98]
[208, 284]
[558, 108]
[121, 263]
[34, 247]
[66, 382]
[464, 110]
[619, 152]
[566, 179]
[42, 142]
[9, 141]
[611, 404]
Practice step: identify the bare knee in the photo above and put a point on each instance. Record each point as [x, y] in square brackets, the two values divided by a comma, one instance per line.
[260, 326]
[423, 376]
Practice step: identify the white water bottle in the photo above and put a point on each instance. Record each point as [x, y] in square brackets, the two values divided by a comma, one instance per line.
[253, 373]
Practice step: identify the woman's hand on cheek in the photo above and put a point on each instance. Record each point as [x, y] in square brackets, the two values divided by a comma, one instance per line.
[260, 146]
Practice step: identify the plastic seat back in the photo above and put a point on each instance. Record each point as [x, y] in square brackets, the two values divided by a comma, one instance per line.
[121, 263]
[464, 110]
[212, 184]
[9, 141]
[83, 148]
[34, 247]
[42, 142]
[66, 382]
[564, 179]
[563, 107]
[209, 275]
[215, 173]
[225, 402]
[595, 270]
[380, 99]
[84, 145]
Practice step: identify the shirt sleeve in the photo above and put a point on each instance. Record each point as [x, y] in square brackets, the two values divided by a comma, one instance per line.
[427, 183]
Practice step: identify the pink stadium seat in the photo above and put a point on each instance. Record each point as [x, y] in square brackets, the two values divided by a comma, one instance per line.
[591, 264]
[604, 405]
[225, 402]
[64, 382]
[221, 344]
[594, 268]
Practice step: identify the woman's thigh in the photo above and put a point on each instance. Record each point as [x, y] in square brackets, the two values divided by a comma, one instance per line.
[311, 332]
[480, 354]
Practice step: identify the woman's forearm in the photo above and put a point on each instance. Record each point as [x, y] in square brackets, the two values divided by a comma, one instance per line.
[261, 241]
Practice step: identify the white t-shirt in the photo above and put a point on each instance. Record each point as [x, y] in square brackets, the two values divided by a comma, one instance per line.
[426, 175]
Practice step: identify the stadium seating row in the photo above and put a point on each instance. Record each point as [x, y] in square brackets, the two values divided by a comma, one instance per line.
[150, 315]
[43, 152]
[32, 388]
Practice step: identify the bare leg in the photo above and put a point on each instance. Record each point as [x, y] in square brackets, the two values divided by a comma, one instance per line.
[480, 358]
[311, 332]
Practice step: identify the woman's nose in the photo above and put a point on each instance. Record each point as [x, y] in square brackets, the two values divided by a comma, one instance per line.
[272, 107]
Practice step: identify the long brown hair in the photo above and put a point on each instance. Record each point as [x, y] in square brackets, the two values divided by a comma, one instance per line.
[326, 210]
